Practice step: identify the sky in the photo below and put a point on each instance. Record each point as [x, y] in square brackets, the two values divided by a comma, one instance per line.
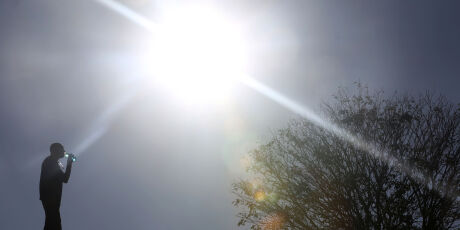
[71, 72]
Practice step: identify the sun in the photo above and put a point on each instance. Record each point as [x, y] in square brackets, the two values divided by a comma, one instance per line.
[197, 54]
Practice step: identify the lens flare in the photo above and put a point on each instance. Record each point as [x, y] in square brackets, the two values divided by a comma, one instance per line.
[273, 222]
[260, 195]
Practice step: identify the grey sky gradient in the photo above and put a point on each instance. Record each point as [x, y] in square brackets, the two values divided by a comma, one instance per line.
[161, 165]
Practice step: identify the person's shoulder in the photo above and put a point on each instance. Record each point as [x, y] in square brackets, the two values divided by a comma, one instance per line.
[47, 160]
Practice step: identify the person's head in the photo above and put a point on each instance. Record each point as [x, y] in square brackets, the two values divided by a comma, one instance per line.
[57, 150]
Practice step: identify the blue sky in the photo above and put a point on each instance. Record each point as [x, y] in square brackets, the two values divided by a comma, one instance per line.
[155, 163]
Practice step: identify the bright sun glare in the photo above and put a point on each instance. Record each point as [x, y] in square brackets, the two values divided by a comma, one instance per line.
[197, 54]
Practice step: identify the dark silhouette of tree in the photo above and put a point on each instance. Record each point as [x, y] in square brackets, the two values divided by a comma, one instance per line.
[308, 177]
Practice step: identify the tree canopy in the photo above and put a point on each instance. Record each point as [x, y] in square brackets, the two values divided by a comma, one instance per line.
[308, 176]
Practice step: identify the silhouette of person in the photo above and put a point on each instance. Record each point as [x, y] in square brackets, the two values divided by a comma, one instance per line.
[51, 179]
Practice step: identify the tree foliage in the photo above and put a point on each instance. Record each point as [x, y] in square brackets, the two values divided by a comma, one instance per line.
[309, 177]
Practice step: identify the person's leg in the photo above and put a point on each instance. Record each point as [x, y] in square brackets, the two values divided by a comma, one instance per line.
[58, 217]
[45, 207]
[53, 216]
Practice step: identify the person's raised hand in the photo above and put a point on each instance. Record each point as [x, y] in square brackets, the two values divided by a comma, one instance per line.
[70, 159]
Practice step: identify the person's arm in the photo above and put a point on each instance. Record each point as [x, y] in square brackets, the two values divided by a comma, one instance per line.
[68, 170]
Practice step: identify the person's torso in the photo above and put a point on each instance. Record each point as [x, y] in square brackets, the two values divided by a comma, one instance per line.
[51, 179]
